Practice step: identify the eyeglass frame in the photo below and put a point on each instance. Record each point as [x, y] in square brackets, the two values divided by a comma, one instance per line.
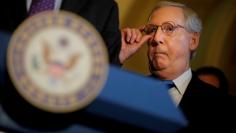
[175, 26]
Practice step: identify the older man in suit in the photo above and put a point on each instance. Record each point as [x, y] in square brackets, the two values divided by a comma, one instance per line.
[173, 33]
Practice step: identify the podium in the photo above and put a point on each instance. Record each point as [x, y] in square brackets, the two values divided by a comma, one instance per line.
[127, 102]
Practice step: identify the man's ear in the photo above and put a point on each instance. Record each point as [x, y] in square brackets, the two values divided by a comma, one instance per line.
[194, 41]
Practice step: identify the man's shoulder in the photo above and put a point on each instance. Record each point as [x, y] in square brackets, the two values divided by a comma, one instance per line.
[198, 85]
[206, 107]
[202, 93]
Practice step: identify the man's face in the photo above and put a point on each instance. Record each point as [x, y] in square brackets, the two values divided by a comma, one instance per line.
[170, 51]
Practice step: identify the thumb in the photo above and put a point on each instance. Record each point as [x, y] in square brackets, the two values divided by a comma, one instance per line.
[144, 39]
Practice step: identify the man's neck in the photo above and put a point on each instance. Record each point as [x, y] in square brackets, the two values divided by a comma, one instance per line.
[166, 74]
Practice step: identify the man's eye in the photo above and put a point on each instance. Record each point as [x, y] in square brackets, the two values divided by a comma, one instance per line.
[168, 28]
[150, 29]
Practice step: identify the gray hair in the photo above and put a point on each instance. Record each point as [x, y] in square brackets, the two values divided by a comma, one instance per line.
[192, 21]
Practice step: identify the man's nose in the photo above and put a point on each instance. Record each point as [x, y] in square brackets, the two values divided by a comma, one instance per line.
[158, 36]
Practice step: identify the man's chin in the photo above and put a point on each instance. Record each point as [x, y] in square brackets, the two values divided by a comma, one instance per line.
[159, 66]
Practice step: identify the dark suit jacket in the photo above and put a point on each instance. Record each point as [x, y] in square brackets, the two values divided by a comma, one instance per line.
[206, 108]
[103, 14]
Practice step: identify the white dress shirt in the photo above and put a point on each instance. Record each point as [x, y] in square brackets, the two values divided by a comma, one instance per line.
[181, 84]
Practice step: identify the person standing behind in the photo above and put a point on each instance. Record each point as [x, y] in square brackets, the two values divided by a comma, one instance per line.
[173, 32]
[213, 76]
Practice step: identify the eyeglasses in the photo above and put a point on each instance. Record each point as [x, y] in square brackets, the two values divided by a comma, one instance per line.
[166, 27]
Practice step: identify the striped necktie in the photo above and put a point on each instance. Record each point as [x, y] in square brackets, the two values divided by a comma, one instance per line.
[40, 6]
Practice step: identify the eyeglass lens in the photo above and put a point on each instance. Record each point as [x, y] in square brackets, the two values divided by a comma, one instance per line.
[165, 27]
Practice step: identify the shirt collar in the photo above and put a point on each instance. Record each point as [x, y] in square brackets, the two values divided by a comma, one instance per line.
[182, 81]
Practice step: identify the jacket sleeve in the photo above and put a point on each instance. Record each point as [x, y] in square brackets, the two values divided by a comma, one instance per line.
[112, 35]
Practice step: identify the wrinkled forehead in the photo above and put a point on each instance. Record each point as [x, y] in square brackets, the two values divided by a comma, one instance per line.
[168, 13]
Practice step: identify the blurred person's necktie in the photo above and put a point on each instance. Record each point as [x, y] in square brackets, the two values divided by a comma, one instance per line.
[40, 6]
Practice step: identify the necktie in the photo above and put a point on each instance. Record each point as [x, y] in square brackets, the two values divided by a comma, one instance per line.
[40, 6]
[168, 83]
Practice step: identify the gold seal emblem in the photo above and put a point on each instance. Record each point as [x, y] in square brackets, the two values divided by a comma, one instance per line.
[57, 61]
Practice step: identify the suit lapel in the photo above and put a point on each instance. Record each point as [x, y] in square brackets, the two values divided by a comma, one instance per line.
[191, 91]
